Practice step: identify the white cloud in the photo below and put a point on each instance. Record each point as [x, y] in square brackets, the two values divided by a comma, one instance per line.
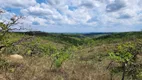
[89, 13]
[37, 11]
[17, 3]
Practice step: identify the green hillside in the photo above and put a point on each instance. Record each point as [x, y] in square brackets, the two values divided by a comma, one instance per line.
[51, 56]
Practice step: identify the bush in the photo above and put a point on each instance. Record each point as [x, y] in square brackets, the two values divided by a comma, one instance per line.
[126, 55]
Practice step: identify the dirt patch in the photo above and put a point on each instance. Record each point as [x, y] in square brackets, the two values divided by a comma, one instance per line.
[2, 77]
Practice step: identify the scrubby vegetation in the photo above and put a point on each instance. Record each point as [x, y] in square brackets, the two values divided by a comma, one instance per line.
[50, 56]
[71, 56]
[126, 55]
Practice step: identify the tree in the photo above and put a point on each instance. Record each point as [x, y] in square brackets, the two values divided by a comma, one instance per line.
[126, 55]
[5, 27]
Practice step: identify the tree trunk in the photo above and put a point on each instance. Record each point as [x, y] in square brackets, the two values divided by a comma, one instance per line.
[124, 70]
[111, 76]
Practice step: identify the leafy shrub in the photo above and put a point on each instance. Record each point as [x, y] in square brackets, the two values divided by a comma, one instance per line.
[126, 55]
[62, 55]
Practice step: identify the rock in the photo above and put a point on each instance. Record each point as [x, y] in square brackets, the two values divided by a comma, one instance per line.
[16, 57]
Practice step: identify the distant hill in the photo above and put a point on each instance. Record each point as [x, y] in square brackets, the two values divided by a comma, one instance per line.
[82, 35]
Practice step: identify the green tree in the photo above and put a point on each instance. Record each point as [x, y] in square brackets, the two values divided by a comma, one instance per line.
[126, 55]
[5, 27]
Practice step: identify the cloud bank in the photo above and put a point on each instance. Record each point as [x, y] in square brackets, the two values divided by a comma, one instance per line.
[78, 15]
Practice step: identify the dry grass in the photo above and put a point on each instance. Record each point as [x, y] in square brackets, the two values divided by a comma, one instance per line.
[86, 64]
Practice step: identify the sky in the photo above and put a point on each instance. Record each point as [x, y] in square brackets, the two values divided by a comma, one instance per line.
[75, 15]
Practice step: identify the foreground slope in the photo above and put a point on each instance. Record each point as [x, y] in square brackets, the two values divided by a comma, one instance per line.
[88, 59]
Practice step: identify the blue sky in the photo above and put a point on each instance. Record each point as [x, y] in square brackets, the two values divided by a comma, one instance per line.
[76, 15]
